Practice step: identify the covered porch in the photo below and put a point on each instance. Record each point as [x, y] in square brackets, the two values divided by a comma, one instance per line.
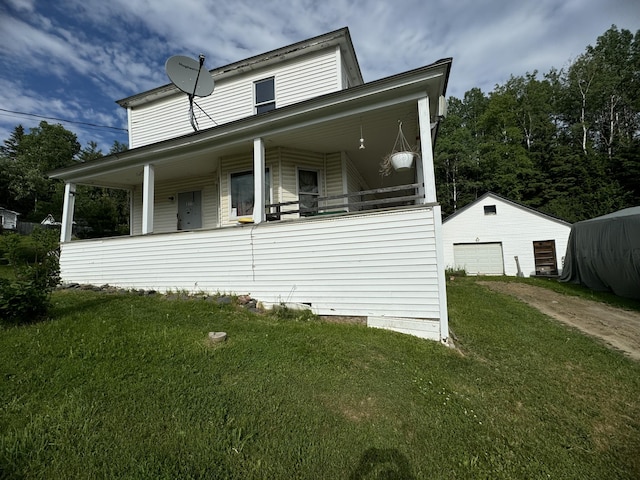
[330, 128]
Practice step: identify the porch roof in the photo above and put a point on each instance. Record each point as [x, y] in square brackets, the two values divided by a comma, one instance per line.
[325, 124]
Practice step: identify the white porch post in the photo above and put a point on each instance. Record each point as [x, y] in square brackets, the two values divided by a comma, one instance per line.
[258, 181]
[148, 188]
[420, 179]
[67, 212]
[425, 168]
[426, 173]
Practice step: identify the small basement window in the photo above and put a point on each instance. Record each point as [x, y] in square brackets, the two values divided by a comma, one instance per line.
[489, 209]
[265, 95]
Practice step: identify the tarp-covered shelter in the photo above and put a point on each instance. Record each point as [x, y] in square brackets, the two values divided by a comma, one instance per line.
[603, 253]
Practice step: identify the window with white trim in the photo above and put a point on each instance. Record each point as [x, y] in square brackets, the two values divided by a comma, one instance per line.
[242, 193]
[265, 95]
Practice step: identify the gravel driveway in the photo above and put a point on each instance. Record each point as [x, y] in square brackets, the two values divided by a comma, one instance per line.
[617, 327]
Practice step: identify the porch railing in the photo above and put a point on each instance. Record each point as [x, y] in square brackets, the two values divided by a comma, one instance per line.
[275, 211]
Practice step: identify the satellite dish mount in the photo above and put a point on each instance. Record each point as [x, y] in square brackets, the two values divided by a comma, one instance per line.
[185, 73]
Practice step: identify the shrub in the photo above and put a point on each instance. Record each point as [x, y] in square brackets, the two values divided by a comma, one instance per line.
[27, 297]
[285, 312]
[455, 272]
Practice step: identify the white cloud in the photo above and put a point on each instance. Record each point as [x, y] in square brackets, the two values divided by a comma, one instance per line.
[73, 59]
[22, 5]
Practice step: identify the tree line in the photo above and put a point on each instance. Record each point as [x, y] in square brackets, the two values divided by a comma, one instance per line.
[25, 159]
[566, 142]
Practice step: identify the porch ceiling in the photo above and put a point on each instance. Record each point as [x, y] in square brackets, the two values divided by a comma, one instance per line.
[325, 125]
[379, 130]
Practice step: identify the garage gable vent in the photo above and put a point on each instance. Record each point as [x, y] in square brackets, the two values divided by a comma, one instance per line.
[489, 209]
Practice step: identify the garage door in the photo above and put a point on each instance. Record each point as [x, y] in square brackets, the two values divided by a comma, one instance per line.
[479, 258]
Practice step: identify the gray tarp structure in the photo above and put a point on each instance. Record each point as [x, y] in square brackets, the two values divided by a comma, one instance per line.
[603, 253]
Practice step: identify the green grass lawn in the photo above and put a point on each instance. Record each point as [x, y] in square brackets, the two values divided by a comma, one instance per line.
[125, 386]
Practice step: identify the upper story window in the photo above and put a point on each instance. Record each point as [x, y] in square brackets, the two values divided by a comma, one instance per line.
[489, 209]
[265, 95]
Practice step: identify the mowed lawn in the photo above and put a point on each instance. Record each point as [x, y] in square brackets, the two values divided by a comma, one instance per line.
[126, 386]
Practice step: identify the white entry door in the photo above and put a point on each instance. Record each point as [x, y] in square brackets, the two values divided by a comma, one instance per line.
[479, 258]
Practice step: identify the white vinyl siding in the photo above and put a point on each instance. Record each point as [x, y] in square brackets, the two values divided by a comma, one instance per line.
[346, 82]
[334, 180]
[233, 98]
[355, 183]
[514, 226]
[376, 264]
[166, 204]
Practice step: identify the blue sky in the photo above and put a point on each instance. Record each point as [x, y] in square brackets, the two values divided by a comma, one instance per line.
[72, 59]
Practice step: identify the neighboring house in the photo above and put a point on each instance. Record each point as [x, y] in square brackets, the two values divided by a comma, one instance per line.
[486, 236]
[8, 219]
[277, 198]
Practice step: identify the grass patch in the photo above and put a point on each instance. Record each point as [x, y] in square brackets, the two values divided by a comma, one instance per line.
[126, 386]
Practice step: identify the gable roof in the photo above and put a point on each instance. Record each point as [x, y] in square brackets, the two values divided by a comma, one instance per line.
[2, 209]
[512, 203]
[340, 37]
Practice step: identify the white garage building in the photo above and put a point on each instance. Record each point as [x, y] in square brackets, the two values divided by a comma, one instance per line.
[493, 235]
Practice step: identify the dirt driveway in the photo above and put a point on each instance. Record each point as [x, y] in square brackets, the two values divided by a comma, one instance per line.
[618, 328]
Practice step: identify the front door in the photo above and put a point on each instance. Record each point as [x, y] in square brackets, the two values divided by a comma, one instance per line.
[308, 192]
[189, 210]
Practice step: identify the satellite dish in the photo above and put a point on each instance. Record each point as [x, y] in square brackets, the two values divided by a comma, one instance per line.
[188, 75]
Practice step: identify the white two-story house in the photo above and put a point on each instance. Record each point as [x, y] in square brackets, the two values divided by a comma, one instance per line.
[273, 188]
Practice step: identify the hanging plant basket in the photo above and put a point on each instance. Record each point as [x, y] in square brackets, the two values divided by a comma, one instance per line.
[402, 160]
[401, 156]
